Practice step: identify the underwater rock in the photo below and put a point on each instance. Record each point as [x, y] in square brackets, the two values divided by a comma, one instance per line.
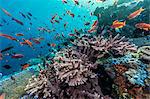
[35, 61]
[14, 89]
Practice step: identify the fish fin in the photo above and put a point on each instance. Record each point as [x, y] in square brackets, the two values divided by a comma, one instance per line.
[145, 29]
[117, 30]
[124, 23]
[115, 21]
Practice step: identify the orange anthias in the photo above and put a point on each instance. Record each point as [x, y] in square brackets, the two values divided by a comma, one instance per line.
[143, 26]
[116, 24]
[135, 14]
[28, 42]
[8, 37]
[25, 66]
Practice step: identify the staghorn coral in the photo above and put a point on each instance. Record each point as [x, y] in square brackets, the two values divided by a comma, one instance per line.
[41, 87]
[117, 45]
[70, 76]
[73, 68]
[114, 45]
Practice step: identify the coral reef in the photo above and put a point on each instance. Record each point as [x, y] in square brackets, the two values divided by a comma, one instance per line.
[114, 45]
[80, 72]
[144, 52]
[73, 67]
[14, 87]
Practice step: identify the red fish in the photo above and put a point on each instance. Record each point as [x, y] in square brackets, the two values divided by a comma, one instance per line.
[28, 43]
[8, 37]
[17, 56]
[93, 27]
[135, 14]
[25, 66]
[72, 34]
[6, 12]
[116, 24]
[18, 21]
[76, 2]
[19, 34]
[143, 26]
[95, 23]
[53, 45]
[70, 13]
[56, 21]
[64, 1]
[54, 17]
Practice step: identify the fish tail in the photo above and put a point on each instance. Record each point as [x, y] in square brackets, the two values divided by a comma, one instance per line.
[124, 23]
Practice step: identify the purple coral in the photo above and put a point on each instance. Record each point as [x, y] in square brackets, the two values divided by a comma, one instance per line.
[113, 44]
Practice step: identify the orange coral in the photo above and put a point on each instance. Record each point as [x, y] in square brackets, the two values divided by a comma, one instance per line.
[120, 68]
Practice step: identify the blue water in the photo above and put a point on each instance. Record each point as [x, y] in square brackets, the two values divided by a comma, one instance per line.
[43, 11]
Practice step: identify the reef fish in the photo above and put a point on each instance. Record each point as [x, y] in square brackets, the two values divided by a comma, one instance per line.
[17, 56]
[64, 1]
[143, 26]
[6, 12]
[117, 24]
[22, 14]
[24, 66]
[8, 37]
[6, 49]
[135, 14]
[76, 2]
[37, 40]
[7, 66]
[18, 21]
[19, 34]
[93, 27]
[2, 96]
[70, 13]
[28, 42]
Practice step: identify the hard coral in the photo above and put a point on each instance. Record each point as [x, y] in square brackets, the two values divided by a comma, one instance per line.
[41, 87]
[73, 68]
[144, 52]
[114, 45]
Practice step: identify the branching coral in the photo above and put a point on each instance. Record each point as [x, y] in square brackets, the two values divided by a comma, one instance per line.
[72, 78]
[118, 45]
[144, 52]
[73, 68]
[73, 72]
[41, 87]
[114, 45]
